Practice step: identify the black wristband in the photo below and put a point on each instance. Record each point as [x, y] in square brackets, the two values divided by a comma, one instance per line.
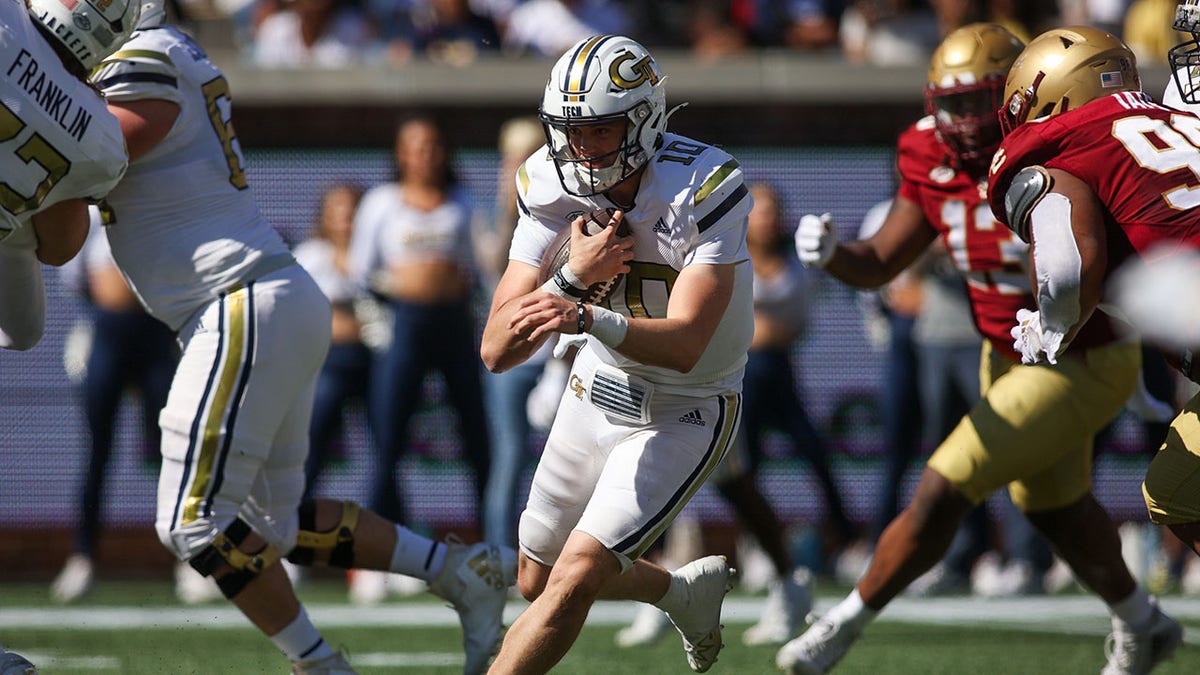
[580, 317]
[566, 286]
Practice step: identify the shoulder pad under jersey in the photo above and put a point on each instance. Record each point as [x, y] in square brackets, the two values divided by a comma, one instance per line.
[1024, 192]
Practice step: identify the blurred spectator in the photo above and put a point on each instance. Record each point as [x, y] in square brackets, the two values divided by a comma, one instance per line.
[412, 246]
[313, 34]
[448, 31]
[123, 349]
[781, 291]
[1148, 30]
[549, 27]
[1023, 18]
[889, 33]
[508, 392]
[1104, 14]
[812, 24]
[715, 30]
[346, 373]
[444, 31]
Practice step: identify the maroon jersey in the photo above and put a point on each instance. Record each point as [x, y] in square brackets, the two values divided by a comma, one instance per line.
[990, 258]
[1142, 161]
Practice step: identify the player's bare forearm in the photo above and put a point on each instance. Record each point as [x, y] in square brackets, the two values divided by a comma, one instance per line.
[873, 262]
[503, 346]
[698, 303]
[61, 230]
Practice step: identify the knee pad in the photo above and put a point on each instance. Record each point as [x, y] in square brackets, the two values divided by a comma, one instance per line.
[539, 542]
[224, 549]
[337, 543]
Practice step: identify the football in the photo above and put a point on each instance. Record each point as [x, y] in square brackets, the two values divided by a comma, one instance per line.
[560, 250]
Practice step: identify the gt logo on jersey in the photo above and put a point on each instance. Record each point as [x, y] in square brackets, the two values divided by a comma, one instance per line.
[641, 71]
[576, 385]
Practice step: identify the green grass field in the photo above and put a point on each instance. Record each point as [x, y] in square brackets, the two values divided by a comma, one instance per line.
[138, 628]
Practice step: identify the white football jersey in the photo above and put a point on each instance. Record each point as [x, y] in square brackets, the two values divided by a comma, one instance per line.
[57, 138]
[691, 209]
[184, 225]
[1173, 99]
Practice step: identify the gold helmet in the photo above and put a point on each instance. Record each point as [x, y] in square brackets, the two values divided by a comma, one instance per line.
[965, 89]
[1064, 68]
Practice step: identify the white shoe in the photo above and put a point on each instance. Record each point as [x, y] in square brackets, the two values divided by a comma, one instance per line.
[788, 602]
[74, 581]
[708, 580]
[1059, 577]
[475, 581]
[650, 624]
[852, 563]
[404, 586]
[368, 587]
[334, 664]
[818, 649]
[1136, 653]
[12, 663]
[938, 581]
[193, 588]
[1189, 580]
[756, 572]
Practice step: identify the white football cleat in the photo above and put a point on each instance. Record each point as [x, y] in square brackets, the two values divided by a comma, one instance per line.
[75, 579]
[650, 624]
[818, 649]
[788, 601]
[708, 580]
[193, 588]
[368, 587]
[334, 664]
[1137, 652]
[475, 581]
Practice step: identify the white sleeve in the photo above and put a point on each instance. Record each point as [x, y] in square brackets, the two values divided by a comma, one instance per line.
[1059, 268]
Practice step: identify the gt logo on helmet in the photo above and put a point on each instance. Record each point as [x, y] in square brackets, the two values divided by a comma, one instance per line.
[643, 70]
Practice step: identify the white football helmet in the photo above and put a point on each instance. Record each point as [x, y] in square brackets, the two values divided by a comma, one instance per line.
[154, 13]
[90, 30]
[1185, 57]
[602, 79]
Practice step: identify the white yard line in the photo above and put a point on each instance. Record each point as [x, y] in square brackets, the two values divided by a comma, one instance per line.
[1010, 612]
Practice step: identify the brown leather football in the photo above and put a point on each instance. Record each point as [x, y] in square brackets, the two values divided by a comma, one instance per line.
[559, 252]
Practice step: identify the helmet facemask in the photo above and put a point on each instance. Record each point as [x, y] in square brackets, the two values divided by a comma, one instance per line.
[1185, 57]
[965, 117]
[588, 176]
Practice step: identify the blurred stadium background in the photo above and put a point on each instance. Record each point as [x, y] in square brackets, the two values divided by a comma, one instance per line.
[820, 129]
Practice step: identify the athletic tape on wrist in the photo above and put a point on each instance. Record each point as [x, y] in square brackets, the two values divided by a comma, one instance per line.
[608, 326]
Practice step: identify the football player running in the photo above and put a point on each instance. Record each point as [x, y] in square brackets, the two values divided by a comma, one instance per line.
[58, 145]
[254, 328]
[653, 400]
[1033, 428]
[1095, 175]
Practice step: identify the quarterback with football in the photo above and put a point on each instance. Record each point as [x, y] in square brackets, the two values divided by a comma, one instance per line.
[653, 399]
[254, 327]
[1032, 430]
[1097, 177]
[58, 144]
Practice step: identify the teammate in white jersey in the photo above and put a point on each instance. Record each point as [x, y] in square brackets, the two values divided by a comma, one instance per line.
[58, 145]
[254, 328]
[653, 401]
